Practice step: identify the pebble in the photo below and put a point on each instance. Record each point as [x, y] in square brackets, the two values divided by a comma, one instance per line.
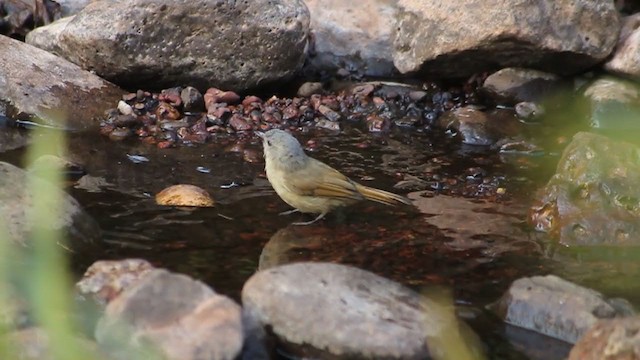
[184, 195]
[124, 108]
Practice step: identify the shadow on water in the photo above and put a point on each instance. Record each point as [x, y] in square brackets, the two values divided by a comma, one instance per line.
[459, 235]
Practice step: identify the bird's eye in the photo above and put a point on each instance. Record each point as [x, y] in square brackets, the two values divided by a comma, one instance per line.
[268, 142]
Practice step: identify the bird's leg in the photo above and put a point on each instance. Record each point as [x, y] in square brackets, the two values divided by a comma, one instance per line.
[289, 212]
[310, 222]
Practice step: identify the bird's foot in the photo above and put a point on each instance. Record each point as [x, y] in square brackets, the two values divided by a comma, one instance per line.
[289, 212]
[309, 222]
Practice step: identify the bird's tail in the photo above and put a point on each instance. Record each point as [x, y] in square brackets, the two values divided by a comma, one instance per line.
[381, 196]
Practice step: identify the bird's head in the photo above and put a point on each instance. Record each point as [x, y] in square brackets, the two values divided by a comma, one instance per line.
[282, 148]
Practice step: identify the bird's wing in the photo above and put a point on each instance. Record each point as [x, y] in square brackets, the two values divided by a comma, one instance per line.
[320, 179]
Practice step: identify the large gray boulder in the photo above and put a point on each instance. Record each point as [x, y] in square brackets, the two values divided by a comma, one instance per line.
[459, 38]
[51, 90]
[158, 43]
[326, 310]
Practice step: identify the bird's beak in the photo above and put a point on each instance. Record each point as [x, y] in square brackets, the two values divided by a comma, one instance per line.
[260, 134]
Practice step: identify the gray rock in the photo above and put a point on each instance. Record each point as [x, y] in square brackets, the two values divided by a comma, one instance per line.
[192, 99]
[527, 110]
[592, 197]
[182, 318]
[353, 35]
[614, 104]
[48, 37]
[616, 339]
[336, 311]
[159, 43]
[625, 60]
[554, 307]
[309, 88]
[53, 90]
[514, 85]
[460, 38]
[473, 126]
[15, 202]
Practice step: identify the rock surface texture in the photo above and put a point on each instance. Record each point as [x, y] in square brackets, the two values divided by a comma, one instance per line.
[459, 38]
[334, 311]
[50, 89]
[592, 199]
[354, 36]
[153, 43]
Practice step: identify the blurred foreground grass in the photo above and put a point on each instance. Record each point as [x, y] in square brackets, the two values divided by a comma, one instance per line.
[38, 274]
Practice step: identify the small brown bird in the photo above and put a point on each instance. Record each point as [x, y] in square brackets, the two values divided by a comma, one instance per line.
[309, 185]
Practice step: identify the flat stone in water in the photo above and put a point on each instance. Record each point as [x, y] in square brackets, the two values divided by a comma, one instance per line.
[556, 307]
[320, 308]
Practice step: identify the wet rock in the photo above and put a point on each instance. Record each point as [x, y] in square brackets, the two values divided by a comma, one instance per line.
[328, 113]
[514, 85]
[52, 90]
[562, 37]
[327, 124]
[358, 36]
[592, 198]
[529, 110]
[92, 184]
[166, 111]
[184, 195]
[15, 202]
[192, 99]
[33, 344]
[144, 43]
[614, 104]
[625, 59]
[535, 346]
[328, 310]
[555, 307]
[238, 123]
[473, 126]
[376, 123]
[47, 37]
[120, 133]
[309, 88]
[615, 339]
[106, 279]
[162, 308]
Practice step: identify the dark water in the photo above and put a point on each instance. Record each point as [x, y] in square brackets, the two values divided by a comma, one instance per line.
[461, 235]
